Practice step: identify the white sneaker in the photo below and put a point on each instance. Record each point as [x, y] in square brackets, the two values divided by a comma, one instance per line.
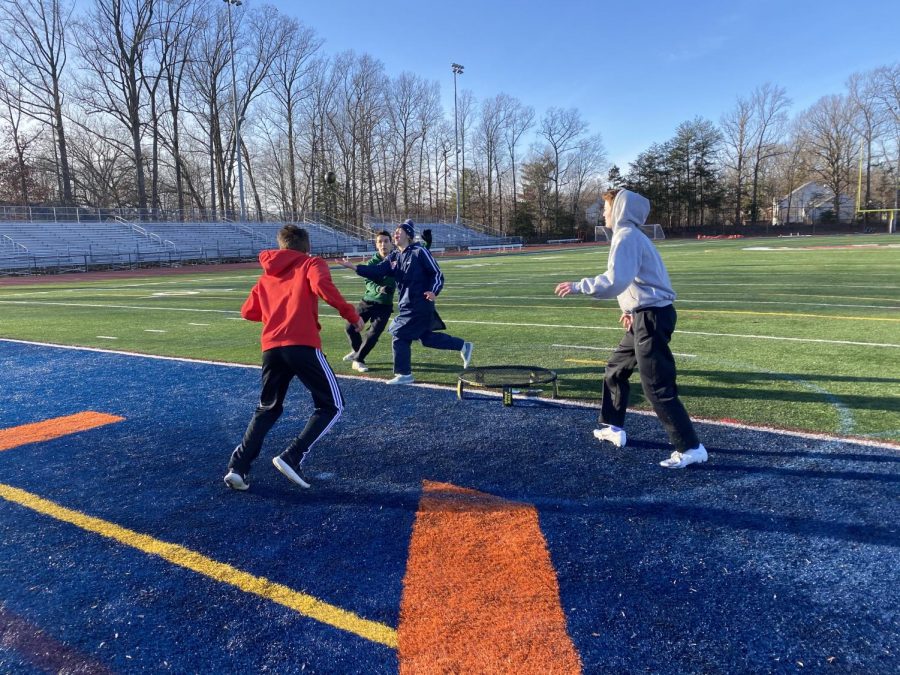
[613, 434]
[466, 353]
[236, 481]
[350, 357]
[401, 379]
[359, 367]
[679, 460]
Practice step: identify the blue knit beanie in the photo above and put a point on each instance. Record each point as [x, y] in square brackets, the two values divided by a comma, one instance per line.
[409, 227]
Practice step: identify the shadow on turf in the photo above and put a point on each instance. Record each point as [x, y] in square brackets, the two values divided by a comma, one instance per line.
[837, 456]
[328, 493]
[751, 377]
[756, 393]
[805, 473]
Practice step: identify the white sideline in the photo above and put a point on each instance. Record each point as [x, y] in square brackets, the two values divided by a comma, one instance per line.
[571, 404]
[461, 321]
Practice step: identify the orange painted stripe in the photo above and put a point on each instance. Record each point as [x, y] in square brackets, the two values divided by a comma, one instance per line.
[480, 593]
[54, 428]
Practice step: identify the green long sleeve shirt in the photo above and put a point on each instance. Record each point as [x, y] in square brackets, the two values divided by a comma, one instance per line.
[373, 286]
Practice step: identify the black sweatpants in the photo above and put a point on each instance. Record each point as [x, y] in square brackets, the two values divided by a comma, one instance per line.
[646, 346]
[279, 366]
[377, 315]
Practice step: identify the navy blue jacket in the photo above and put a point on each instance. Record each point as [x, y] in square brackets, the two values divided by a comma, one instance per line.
[416, 272]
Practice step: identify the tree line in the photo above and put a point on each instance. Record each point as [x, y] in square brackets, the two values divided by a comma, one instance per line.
[130, 103]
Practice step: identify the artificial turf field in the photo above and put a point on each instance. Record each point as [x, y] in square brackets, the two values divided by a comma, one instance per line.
[461, 536]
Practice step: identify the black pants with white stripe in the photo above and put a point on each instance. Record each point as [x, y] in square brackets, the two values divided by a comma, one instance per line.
[279, 366]
[646, 346]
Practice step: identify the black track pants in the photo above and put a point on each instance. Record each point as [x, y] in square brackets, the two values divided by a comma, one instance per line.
[280, 365]
[646, 346]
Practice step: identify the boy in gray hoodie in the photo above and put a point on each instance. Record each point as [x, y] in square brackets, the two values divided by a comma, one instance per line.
[637, 277]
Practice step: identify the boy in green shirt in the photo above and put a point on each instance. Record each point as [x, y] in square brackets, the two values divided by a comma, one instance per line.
[375, 309]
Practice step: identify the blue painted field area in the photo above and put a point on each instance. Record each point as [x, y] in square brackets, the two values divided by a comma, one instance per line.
[779, 554]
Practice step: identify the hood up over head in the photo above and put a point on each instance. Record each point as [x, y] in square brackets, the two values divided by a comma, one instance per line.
[629, 209]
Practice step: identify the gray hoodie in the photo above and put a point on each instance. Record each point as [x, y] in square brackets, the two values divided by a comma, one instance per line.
[635, 274]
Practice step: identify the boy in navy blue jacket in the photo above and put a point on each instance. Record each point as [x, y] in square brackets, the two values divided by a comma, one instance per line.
[419, 281]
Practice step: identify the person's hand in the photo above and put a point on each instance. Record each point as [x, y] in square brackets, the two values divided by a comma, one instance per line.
[345, 262]
[359, 325]
[627, 321]
[564, 288]
[430, 296]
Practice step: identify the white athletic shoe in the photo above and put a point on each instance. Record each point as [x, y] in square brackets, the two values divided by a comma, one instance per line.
[350, 357]
[401, 379]
[236, 481]
[466, 353]
[679, 460]
[359, 367]
[291, 471]
[613, 434]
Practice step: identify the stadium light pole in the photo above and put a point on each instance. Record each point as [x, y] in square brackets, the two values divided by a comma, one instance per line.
[457, 70]
[237, 120]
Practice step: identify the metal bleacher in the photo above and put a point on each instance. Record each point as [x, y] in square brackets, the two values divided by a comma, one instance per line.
[35, 247]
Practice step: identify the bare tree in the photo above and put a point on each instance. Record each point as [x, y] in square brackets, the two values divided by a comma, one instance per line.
[427, 117]
[829, 132]
[11, 96]
[117, 35]
[887, 90]
[207, 62]
[492, 122]
[521, 120]
[465, 111]
[769, 103]
[178, 31]
[290, 84]
[736, 132]
[868, 121]
[587, 166]
[561, 129]
[405, 99]
[33, 35]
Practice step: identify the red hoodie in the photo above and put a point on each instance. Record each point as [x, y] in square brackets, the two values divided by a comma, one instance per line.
[284, 299]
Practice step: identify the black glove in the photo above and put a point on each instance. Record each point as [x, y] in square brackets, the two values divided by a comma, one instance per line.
[426, 237]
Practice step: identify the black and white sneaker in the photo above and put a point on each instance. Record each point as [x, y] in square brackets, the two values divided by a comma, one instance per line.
[236, 480]
[291, 470]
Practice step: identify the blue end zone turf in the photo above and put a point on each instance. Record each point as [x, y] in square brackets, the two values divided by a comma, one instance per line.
[780, 550]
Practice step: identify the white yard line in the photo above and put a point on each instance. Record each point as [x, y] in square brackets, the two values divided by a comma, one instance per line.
[198, 324]
[106, 337]
[679, 332]
[104, 306]
[570, 404]
[683, 301]
[482, 323]
[154, 330]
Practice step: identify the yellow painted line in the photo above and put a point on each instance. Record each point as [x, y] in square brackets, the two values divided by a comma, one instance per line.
[47, 430]
[302, 603]
[587, 361]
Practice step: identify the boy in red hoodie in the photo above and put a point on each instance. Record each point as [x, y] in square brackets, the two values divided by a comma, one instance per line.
[285, 300]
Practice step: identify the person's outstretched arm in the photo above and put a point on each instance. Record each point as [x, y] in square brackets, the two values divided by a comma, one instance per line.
[322, 285]
[622, 267]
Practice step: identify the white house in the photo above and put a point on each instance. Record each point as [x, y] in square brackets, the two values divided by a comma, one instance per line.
[809, 203]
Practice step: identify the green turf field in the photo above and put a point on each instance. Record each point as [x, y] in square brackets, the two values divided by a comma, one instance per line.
[798, 333]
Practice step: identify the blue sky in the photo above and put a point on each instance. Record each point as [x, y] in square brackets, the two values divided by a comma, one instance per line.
[635, 69]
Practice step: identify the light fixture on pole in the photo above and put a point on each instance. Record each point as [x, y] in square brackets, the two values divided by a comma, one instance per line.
[457, 70]
[237, 120]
